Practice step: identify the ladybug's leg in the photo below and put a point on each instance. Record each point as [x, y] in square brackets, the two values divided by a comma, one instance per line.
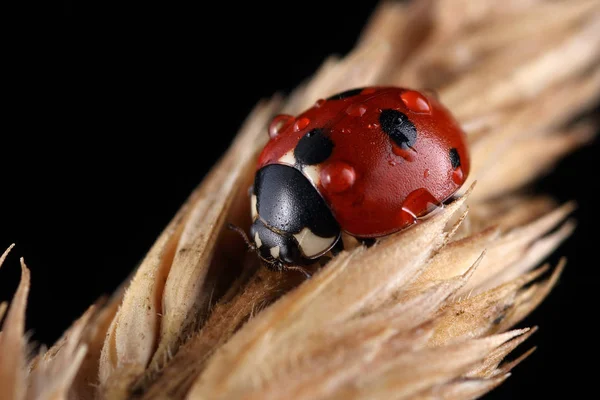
[299, 269]
[337, 248]
[368, 242]
[278, 266]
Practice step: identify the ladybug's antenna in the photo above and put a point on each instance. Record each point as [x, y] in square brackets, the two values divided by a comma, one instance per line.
[277, 265]
[240, 231]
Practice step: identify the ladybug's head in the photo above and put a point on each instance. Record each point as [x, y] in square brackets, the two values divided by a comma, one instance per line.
[274, 248]
[292, 224]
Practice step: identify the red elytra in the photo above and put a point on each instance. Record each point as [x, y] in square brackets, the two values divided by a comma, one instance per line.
[373, 184]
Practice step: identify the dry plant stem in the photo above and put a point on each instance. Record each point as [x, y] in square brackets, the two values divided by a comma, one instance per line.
[54, 371]
[262, 289]
[86, 381]
[173, 286]
[317, 294]
[12, 341]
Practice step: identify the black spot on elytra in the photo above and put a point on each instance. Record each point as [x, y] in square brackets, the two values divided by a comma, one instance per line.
[398, 127]
[346, 94]
[313, 148]
[454, 158]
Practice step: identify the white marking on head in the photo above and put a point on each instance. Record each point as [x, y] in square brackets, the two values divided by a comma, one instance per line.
[275, 252]
[257, 240]
[313, 245]
[253, 207]
[312, 173]
[288, 158]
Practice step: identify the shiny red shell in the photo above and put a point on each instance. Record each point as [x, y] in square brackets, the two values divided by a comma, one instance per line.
[372, 185]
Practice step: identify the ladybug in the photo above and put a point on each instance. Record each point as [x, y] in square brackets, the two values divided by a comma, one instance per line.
[368, 162]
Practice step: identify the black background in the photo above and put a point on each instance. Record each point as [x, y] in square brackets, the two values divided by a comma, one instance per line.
[107, 128]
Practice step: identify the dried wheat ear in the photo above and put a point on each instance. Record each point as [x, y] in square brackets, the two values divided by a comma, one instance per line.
[426, 313]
